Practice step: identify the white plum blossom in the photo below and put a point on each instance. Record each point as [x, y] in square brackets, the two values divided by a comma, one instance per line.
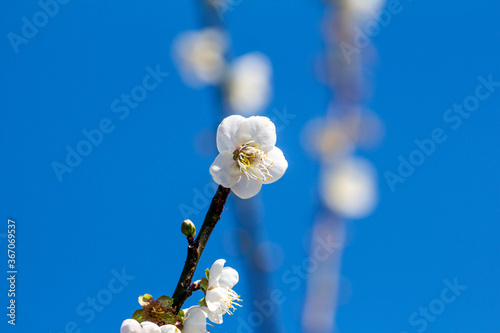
[200, 56]
[249, 83]
[220, 298]
[247, 156]
[195, 321]
[133, 326]
[170, 329]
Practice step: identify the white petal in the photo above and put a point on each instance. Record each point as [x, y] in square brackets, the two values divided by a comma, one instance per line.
[229, 277]
[215, 272]
[149, 327]
[215, 316]
[279, 164]
[224, 170]
[226, 133]
[169, 329]
[214, 298]
[130, 326]
[260, 129]
[195, 320]
[193, 309]
[246, 188]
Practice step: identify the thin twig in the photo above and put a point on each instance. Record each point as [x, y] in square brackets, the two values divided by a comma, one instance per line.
[195, 249]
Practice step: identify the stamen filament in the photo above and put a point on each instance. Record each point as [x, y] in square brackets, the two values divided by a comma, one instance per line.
[253, 162]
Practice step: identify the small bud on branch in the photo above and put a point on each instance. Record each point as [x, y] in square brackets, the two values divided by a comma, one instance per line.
[188, 229]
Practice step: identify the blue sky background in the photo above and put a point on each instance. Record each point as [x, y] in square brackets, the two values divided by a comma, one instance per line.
[119, 208]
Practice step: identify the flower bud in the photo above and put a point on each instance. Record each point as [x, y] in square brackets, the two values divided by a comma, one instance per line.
[145, 299]
[188, 228]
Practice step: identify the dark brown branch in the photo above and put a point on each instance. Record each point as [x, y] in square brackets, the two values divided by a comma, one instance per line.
[195, 249]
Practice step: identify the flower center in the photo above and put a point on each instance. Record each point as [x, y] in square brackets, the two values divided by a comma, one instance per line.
[230, 301]
[253, 162]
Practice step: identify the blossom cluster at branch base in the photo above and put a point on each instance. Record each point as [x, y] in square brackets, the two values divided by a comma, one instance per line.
[219, 299]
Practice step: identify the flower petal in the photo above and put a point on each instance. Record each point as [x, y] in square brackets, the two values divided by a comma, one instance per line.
[215, 316]
[226, 133]
[191, 310]
[224, 170]
[214, 297]
[279, 164]
[229, 277]
[195, 320]
[246, 188]
[131, 326]
[260, 129]
[149, 327]
[169, 329]
[215, 272]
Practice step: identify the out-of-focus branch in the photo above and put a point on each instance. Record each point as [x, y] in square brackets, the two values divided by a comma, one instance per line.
[337, 144]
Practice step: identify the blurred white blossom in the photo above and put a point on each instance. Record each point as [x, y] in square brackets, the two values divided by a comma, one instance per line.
[200, 56]
[247, 156]
[349, 188]
[365, 9]
[333, 138]
[328, 139]
[249, 84]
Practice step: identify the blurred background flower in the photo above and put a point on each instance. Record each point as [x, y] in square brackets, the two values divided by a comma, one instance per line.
[249, 84]
[200, 56]
[349, 188]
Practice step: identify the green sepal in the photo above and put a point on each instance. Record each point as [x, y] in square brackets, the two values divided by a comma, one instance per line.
[168, 318]
[202, 302]
[166, 301]
[204, 285]
[207, 273]
[139, 315]
[180, 316]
